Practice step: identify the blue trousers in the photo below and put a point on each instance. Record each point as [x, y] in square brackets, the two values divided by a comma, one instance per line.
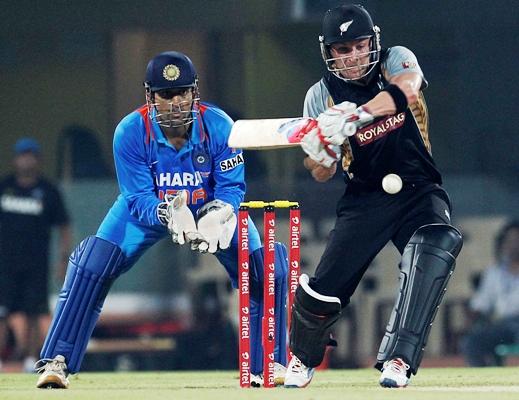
[119, 242]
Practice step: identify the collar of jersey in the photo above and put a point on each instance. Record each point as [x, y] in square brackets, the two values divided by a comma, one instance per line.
[194, 137]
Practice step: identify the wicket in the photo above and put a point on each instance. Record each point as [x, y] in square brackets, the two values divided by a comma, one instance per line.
[268, 320]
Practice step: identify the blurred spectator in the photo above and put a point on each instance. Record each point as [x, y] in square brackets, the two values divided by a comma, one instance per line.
[29, 206]
[212, 343]
[495, 305]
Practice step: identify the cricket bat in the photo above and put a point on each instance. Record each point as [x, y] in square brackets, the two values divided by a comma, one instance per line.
[266, 134]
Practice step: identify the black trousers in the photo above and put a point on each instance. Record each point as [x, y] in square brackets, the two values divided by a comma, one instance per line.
[365, 223]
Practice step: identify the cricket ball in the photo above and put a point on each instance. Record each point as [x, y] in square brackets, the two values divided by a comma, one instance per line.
[392, 183]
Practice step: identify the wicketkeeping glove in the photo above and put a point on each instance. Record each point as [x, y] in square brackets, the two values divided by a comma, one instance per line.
[317, 147]
[216, 225]
[343, 120]
[179, 219]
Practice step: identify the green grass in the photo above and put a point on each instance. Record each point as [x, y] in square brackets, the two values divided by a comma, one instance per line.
[430, 383]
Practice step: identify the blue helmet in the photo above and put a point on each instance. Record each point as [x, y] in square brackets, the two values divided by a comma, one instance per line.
[170, 70]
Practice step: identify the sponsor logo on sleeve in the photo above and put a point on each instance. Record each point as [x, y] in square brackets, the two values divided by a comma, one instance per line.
[231, 163]
[408, 64]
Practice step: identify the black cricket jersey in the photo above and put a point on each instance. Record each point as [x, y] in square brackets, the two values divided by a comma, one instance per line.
[26, 218]
[396, 144]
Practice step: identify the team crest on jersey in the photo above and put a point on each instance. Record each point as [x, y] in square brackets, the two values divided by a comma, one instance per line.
[231, 163]
[201, 161]
[379, 129]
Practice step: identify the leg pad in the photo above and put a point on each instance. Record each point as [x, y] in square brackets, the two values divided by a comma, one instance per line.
[92, 268]
[427, 264]
[313, 315]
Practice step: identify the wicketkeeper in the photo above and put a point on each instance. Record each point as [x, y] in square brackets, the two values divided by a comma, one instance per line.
[178, 178]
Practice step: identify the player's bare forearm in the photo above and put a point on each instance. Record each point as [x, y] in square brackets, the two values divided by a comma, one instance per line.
[383, 104]
[319, 172]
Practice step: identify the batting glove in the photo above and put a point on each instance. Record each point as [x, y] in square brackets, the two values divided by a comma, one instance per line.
[317, 147]
[175, 214]
[343, 120]
[216, 225]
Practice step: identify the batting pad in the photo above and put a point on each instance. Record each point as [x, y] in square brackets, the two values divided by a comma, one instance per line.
[427, 264]
[92, 268]
[313, 315]
[256, 306]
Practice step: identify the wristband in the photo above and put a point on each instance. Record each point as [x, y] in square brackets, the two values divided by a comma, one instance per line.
[398, 97]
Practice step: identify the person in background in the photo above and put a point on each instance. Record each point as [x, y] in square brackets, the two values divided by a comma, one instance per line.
[495, 305]
[30, 205]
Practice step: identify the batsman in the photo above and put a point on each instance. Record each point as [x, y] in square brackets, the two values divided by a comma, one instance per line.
[372, 118]
[178, 178]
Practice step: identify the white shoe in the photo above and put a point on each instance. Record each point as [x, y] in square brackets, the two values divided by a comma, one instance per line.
[298, 375]
[394, 374]
[53, 374]
[279, 376]
[256, 380]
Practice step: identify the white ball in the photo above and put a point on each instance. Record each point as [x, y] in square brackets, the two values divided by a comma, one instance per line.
[392, 183]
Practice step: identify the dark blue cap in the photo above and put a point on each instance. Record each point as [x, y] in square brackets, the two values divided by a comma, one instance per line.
[27, 145]
[170, 70]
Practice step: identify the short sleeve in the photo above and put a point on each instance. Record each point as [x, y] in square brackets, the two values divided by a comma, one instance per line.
[400, 60]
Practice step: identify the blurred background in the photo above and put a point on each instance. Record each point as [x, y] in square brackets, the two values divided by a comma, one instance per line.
[70, 70]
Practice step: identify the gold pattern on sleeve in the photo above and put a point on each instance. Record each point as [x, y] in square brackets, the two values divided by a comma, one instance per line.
[347, 155]
[421, 116]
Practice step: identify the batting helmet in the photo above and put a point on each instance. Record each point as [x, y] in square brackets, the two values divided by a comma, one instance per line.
[347, 23]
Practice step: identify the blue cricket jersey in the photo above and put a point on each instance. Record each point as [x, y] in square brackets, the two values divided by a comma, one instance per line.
[148, 167]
